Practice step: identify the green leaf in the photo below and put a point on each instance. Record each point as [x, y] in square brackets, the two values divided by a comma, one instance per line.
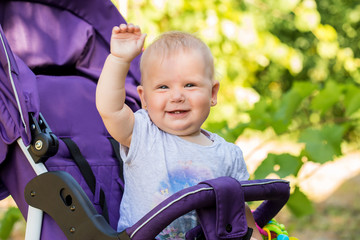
[304, 89]
[265, 168]
[352, 100]
[260, 115]
[289, 104]
[321, 145]
[327, 97]
[299, 204]
[238, 130]
[283, 165]
[283, 116]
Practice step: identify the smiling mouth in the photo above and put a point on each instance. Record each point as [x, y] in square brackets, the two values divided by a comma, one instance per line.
[178, 111]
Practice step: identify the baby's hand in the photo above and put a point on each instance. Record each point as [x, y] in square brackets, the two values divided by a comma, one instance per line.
[126, 42]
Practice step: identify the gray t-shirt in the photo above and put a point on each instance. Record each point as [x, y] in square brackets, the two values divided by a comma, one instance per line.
[158, 164]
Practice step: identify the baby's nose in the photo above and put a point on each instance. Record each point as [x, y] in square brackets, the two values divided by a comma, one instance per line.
[177, 96]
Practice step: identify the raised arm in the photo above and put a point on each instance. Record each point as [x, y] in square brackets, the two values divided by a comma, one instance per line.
[126, 43]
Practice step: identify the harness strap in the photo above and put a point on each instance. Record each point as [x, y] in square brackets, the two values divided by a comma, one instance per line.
[116, 147]
[87, 173]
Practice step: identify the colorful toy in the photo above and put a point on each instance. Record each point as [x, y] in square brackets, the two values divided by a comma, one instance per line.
[282, 237]
[275, 231]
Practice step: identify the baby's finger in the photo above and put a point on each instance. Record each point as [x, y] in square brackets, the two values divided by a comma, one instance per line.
[131, 28]
[116, 29]
[123, 28]
[137, 29]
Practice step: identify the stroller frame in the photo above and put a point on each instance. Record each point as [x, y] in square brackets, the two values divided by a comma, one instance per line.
[35, 215]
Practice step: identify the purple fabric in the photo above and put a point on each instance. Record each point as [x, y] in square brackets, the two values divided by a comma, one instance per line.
[151, 229]
[229, 211]
[24, 81]
[194, 233]
[11, 126]
[68, 34]
[275, 193]
[76, 116]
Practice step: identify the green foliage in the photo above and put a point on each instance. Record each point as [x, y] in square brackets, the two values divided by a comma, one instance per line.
[12, 215]
[283, 165]
[322, 145]
[289, 66]
[299, 204]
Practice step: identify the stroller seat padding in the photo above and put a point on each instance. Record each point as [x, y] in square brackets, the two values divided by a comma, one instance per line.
[75, 116]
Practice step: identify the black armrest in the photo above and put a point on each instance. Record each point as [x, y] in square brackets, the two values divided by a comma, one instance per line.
[59, 195]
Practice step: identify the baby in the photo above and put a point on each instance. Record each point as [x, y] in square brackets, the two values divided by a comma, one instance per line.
[163, 145]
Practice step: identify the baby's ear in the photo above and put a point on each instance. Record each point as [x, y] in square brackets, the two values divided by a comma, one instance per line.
[214, 92]
[140, 90]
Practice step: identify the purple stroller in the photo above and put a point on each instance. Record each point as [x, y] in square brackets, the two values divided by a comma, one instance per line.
[57, 160]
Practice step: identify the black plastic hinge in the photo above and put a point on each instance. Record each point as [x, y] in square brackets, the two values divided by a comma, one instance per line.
[44, 143]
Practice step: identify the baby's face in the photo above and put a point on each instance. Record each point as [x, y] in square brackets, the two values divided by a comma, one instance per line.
[177, 93]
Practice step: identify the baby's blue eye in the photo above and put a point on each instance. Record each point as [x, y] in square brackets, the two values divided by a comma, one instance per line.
[163, 87]
[189, 85]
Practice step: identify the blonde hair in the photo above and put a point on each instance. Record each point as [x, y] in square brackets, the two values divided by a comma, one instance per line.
[172, 42]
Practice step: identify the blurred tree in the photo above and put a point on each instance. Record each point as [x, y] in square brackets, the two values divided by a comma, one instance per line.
[288, 66]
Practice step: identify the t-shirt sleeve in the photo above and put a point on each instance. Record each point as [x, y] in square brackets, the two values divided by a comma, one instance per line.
[239, 169]
[140, 136]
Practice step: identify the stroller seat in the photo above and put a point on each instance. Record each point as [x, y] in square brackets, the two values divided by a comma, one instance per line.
[57, 50]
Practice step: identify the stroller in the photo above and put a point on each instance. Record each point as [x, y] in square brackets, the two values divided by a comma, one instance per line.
[57, 160]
